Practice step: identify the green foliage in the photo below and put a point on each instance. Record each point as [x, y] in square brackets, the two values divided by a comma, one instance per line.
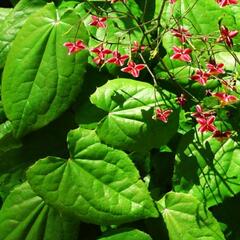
[117, 193]
[119, 138]
[24, 215]
[29, 100]
[209, 169]
[186, 218]
[127, 234]
[129, 107]
[13, 22]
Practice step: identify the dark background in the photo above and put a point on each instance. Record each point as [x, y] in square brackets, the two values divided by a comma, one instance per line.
[5, 3]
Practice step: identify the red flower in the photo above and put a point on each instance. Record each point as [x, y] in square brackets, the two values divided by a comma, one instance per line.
[200, 76]
[98, 21]
[133, 68]
[225, 99]
[181, 100]
[224, 3]
[163, 115]
[117, 58]
[220, 136]
[181, 54]
[136, 47]
[215, 69]
[101, 51]
[227, 36]
[206, 124]
[172, 1]
[201, 114]
[74, 47]
[181, 33]
[98, 60]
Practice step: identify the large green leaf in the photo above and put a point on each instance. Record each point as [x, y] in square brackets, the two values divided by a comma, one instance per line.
[13, 23]
[39, 80]
[208, 168]
[129, 122]
[24, 215]
[97, 184]
[126, 234]
[187, 219]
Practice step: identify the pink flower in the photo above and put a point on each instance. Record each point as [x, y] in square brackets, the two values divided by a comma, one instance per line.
[227, 36]
[136, 47]
[74, 47]
[225, 99]
[163, 115]
[200, 113]
[221, 136]
[181, 33]
[133, 68]
[224, 3]
[181, 100]
[215, 69]
[98, 60]
[101, 51]
[172, 1]
[206, 124]
[181, 54]
[201, 77]
[117, 58]
[98, 21]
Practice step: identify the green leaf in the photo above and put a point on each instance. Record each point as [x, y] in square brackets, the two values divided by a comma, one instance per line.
[24, 215]
[13, 22]
[187, 219]
[117, 194]
[207, 168]
[204, 24]
[16, 156]
[122, 27]
[3, 14]
[129, 122]
[40, 80]
[7, 141]
[126, 234]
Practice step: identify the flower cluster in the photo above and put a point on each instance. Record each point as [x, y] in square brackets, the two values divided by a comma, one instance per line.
[206, 70]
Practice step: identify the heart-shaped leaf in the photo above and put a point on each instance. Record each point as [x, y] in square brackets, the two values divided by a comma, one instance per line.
[98, 184]
[130, 107]
[44, 80]
[24, 215]
[187, 219]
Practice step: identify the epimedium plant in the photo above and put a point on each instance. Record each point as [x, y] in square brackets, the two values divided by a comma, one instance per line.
[119, 120]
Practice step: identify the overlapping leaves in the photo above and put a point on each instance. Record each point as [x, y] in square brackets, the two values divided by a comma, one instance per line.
[129, 107]
[24, 215]
[117, 194]
[207, 168]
